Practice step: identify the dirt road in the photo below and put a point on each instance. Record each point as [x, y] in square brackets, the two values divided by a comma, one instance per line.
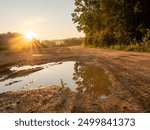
[128, 72]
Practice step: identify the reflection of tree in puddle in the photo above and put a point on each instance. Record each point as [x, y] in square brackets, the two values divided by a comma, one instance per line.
[91, 79]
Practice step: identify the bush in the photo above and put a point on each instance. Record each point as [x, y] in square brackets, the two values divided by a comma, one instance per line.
[108, 38]
[100, 39]
[146, 38]
[132, 47]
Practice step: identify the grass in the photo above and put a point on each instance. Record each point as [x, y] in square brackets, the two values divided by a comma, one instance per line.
[132, 47]
[136, 47]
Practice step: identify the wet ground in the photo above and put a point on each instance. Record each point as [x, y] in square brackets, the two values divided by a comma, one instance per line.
[74, 79]
[71, 74]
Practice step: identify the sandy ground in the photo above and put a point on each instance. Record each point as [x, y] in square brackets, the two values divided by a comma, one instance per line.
[129, 73]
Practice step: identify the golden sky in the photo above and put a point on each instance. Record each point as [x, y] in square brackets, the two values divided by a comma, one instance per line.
[48, 19]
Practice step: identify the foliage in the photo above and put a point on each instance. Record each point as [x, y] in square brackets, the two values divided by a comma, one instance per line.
[112, 22]
[17, 42]
[72, 42]
[62, 43]
[6, 40]
[132, 47]
[146, 38]
[48, 43]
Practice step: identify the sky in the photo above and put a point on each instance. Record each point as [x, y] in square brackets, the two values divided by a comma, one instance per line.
[48, 19]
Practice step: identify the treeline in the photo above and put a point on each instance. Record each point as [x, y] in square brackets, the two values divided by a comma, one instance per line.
[16, 41]
[6, 39]
[62, 42]
[113, 22]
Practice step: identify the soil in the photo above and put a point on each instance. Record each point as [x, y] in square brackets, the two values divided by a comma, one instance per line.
[128, 73]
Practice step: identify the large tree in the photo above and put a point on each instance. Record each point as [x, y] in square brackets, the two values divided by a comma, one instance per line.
[106, 22]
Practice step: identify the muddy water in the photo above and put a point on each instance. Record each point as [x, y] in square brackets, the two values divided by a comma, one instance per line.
[78, 77]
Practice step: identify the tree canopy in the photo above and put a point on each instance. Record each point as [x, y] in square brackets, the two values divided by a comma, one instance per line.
[108, 22]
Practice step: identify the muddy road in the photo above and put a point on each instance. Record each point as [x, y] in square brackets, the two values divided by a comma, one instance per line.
[128, 72]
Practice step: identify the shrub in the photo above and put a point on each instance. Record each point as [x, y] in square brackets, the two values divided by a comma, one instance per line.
[146, 38]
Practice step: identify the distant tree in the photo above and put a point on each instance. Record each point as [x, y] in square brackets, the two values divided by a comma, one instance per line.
[17, 41]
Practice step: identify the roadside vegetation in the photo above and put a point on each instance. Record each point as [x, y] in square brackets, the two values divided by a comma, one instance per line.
[62, 42]
[117, 24]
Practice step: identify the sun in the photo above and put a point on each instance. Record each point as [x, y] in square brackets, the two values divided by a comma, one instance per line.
[29, 35]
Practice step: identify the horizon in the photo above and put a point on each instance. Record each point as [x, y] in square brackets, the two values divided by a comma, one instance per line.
[26, 36]
[48, 20]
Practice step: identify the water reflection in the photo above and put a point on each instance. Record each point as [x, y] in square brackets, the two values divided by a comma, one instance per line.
[91, 79]
[52, 74]
[83, 78]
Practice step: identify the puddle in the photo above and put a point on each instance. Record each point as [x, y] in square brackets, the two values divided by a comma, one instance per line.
[13, 82]
[93, 80]
[27, 67]
[87, 79]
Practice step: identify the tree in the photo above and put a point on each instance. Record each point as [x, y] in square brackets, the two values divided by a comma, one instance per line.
[107, 22]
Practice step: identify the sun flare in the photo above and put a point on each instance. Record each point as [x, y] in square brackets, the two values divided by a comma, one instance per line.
[30, 35]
